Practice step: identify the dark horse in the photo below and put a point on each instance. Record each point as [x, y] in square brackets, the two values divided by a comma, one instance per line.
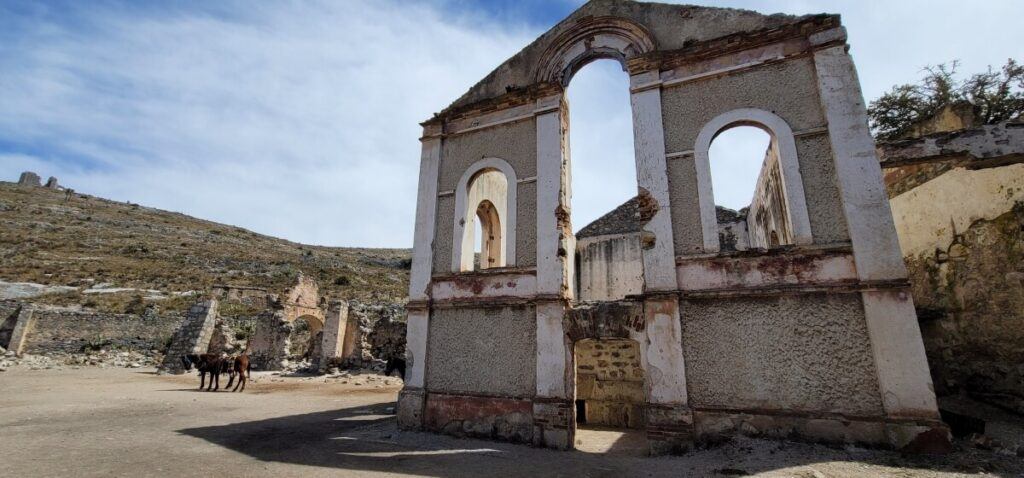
[395, 364]
[212, 364]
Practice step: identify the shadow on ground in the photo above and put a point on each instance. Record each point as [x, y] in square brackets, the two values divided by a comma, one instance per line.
[365, 439]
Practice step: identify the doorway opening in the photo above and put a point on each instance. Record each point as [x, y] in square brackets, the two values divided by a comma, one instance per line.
[609, 397]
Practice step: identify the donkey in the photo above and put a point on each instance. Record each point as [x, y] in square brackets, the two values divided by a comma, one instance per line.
[243, 368]
[212, 364]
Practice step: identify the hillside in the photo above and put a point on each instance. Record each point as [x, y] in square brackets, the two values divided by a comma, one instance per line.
[110, 255]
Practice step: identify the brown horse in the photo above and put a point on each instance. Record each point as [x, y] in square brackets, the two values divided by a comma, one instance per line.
[243, 368]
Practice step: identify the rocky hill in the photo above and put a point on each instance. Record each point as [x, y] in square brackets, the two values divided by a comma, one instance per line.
[68, 249]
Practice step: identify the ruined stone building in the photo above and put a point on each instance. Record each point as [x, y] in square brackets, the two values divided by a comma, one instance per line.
[810, 331]
[334, 335]
[957, 194]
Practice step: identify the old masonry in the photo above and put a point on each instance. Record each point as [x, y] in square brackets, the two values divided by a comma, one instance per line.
[807, 328]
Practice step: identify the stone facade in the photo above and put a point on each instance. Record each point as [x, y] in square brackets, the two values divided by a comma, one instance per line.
[192, 337]
[491, 350]
[957, 196]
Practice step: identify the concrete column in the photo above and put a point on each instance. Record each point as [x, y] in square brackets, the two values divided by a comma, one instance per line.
[334, 332]
[552, 407]
[669, 417]
[412, 398]
[652, 180]
[22, 326]
[903, 377]
[868, 217]
[552, 200]
[426, 213]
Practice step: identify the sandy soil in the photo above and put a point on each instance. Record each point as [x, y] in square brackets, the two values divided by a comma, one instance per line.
[131, 422]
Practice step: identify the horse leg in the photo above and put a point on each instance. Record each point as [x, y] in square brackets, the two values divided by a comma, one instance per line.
[231, 379]
[202, 380]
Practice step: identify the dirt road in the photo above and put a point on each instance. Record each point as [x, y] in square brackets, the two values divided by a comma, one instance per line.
[125, 422]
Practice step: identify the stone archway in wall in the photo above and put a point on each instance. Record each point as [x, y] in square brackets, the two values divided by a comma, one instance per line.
[637, 333]
[609, 377]
[303, 308]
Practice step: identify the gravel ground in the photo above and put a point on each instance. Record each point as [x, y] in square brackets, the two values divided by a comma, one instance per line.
[131, 422]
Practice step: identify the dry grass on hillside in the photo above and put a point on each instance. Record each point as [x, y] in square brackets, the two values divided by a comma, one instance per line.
[86, 240]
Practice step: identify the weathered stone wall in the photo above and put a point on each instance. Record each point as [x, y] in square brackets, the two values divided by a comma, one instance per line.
[794, 353]
[268, 349]
[192, 337]
[514, 143]
[58, 331]
[610, 382]
[483, 350]
[958, 203]
[768, 223]
[789, 90]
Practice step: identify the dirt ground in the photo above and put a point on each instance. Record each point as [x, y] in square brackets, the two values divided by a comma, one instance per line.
[132, 422]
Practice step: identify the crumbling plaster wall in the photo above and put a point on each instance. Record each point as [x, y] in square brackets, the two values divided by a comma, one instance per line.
[788, 89]
[516, 143]
[788, 353]
[662, 21]
[483, 350]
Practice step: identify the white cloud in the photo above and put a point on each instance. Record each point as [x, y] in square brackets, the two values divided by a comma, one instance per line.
[301, 120]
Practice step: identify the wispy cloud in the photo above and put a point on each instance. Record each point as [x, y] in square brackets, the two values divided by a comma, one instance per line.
[297, 120]
[300, 119]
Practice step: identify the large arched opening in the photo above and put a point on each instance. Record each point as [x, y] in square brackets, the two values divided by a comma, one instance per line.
[602, 191]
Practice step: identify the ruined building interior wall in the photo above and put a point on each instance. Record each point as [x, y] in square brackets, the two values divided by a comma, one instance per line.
[610, 382]
[609, 267]
[490, 186]
[958, 203]
[768, 217]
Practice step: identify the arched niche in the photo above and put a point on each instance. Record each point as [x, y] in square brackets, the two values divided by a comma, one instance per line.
[492, 180]
[784, 147]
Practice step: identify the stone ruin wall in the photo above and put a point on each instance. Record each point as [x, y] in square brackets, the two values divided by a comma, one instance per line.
[957, 196]
[610, 382]
[57, 331]
[487, 349]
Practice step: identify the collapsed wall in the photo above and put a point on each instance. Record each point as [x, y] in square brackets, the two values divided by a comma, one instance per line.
[192, 337]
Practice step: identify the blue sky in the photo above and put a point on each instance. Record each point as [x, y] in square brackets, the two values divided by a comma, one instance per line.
[300, 119]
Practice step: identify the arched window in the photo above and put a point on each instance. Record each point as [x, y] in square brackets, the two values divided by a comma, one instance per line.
[777, 210]
[485, 202]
